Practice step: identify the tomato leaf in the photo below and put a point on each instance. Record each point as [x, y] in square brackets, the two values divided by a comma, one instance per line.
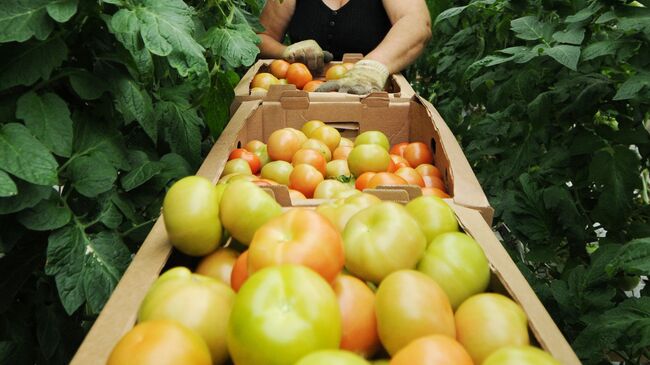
[29, 195]
[236, 44]
[25, 157]
[87, 85]
[566, 55]
[173, 167]
[48, 118]
[135, 104]
[62, 10]
[141, 174]
[7, 186]
[530, 28]
[45, 216]
[21, 20]
[92, 137]
[217, 102]
[632, 86]
[633, 258]
[182, 129]
[91, 175]
[31, 61]
[570, 36]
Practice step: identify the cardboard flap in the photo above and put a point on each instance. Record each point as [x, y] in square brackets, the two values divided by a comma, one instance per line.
[275, 92]
[352, 57]
[280, 193]
[376, 99]
[397, 193]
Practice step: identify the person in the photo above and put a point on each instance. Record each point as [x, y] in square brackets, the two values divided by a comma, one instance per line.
[390, 33]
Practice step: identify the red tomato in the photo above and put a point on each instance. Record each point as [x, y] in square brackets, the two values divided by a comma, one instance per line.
[433, 350]
[298, 74]
[427, 169]
[410, 175]
[398, 149]
[435, 192]
[279, 68]
[359, 323]
[310, 157]
[218, 265]
[305, 178]
[282, 144]
[385, 178]
[363, 180]
[341, 152]
[433, 182]
[248, 156]
[418, 153]
[299, 236]
[239, 271]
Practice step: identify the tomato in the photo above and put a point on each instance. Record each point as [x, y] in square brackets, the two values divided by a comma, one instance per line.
[385, 178]
[279, 68]
[410, 175]
[359, 324]
[433, 182]
[348, 65]
[337, 168]
[312, 85]
[433, 215]
[373, 137]
[264, 80]
[225, 179]
[218, 265]
[238, 165]
[319, 146]
[363, 180]
[250, 157]
[283, 82]
[398, 149]
[520, 355]
[239, 271]
[368, 157]
[310, 157]
[191, 215]
[278, 171]
[432, 350]
[427, 169]
[298, 74]
[327, 189]
[335, 72]
[345, 142]
[487, 322]
[281, 314]
[381, 239]
[328, 135]
[299, 236]
[435, 192]
[302, 138]
[305, 178]
[398, 162]
[418, 153]
[332, 357]
[456, 262]
[311, 126]
[340, 211]
[258, 91]
[160, 342]
[244, 208]
[199, 302]
[296, 195]
[282, 144]
[259, 149]
[411, 305]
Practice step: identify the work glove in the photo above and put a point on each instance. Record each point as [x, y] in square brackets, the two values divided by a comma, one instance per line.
[307, 52]
[365, 77]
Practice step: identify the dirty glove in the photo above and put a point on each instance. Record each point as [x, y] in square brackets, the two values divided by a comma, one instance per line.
[307, 52]
[365, 77]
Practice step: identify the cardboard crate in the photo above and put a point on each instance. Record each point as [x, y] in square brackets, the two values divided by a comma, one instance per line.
[397, 86]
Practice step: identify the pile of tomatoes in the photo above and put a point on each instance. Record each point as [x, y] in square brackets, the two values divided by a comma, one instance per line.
[282, 72]
[352, 281]
[317, 162]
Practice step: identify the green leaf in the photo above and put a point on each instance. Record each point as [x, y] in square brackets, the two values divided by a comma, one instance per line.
[91, 176]
[566, 55]
[449, 13]
[141, 174]
[135, 104]
[570, 36]
[31, 61]
[633, 258]
[606, 17]
[237, 45]
[24, 156]
[97, 138]
[599, 49]
[584, 14]
[48, 118]
[631, 87]
[125, 26]
[110, 215]
[45, 216]
[216, 104]
[28, 196]
[530, 28]
[62, 10]
[87, 85]
[182, 130]
[7, 186]
[21, 20]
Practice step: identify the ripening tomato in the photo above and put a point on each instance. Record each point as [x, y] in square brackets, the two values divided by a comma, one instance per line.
[258, 91]
[520, 355]
[281, 314]
[160, 342]
[239, 271]
[435, 192]
[279, 68]
[385, 178]
[328, 135]
[433, 182]
[298, 74]
[258, 148]
[398, 149]
[432, 350]
[363, 180]
[305, 178]
[335, 72]
[337, 168]
[433, 215]
[332, 357]
[264, 80]
[296, 195]
[327, 189]
[301, 237]
[312, 85]
[417, 153]
[359, 324]
[368, 158]
[410, 175]
[398, 162]
[411, 305]
[238, 165]
[278, 171]
[427, 169]
[372, 137]
[340, 211]
[341, 153]
[282, 144]
[346, 142]
[311, 126]
[283, 82]
[250, 157]
[225, 179]
[319, 146]
[310, 157]
[487, 322]
[302, 138]
[218, 265]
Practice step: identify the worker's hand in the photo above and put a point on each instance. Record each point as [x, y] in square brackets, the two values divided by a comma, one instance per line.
[307, 52]
[365, 77]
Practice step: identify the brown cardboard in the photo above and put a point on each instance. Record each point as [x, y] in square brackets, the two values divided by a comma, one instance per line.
[397, 86]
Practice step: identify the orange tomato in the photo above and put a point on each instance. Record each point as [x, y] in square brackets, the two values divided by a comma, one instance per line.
[418, 153]
[434, 192]
[305, 178]
[312, 85]
[296, 195]
[218, 265]
[283, 144]
[433, 182]
[410, 175]
[398, 149]
[358, 320]
[335, 72]
[319, 146]
[264, 80]
[341, 153]
[248, 156]
[385, 178]
[328, 135]
[279, 68]
[310, 157]
[301, 237]
[398, 162]
[432, 350]
[298, 74]
[363, 180]
[239, 271]
[427, 169]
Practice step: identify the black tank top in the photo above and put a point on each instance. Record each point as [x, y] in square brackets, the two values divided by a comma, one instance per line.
[357, 27]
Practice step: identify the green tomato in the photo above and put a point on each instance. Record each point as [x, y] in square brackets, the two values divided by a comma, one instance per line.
[191, 215]
[281, 314]
[373, 137]
[433, 215]
[381, 362]
[381, 239]
[199, 302]
[244, 208]
[337, 168]
[340, 211]
[327, 189]
[368, 158]
[457, 263]
[237, 165]
[277, 171]
[520, 355]
[332, 357]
